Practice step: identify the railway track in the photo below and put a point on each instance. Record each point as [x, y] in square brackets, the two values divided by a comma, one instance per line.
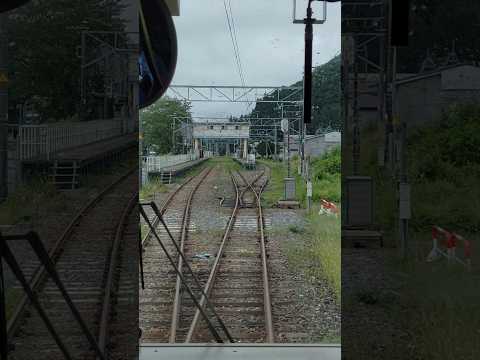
[162, 286]
[236, 282]
[102, 281]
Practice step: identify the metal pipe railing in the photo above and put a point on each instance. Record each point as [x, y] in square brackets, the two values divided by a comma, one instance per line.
[41, 141]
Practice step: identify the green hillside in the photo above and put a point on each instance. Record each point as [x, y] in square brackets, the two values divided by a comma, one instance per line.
[326, 95]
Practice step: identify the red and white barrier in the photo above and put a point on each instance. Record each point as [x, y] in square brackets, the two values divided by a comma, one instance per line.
[328, 208]
[449, 241]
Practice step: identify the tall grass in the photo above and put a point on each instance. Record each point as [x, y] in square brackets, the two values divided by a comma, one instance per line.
[443, 316]
[319, 256]
[326, 180]
[438, 303]
[151, 188]
[28, 201]
[325, 249]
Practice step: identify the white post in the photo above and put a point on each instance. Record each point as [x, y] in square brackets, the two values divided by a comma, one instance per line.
[309, 193]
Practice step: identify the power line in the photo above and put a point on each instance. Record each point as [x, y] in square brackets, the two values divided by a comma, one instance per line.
[235, 49]
[236, 41]
[233, 34]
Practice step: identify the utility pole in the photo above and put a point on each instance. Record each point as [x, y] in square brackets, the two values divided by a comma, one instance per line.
[399, 32]
[3, 110]
[307, 89]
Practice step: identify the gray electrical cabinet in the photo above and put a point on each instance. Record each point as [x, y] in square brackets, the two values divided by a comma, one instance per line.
[290, 189]
[359, 201]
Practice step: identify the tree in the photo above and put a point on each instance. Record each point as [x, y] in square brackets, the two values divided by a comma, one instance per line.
[44, 36]
[158, 123]
[326, 98]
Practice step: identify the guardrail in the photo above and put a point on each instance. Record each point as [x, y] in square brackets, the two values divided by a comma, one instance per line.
[41, 141]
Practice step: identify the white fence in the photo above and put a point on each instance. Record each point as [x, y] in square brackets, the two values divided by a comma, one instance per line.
[157, 163]
[41, 141]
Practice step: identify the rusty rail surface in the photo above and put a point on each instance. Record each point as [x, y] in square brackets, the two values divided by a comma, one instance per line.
[164, 207]
[54, 252]
[213, 273]
[266, 287]
[183, 235]
[107, 300]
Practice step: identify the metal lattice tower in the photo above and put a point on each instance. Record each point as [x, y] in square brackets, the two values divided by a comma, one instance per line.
[366, 67]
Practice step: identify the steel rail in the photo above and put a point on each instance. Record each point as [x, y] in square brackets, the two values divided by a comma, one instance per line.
[266, 287]
[114, 253]
[54, 252]
[213, 273]
[165, 205]
[172, 262]
[254, 181]
[183, 235]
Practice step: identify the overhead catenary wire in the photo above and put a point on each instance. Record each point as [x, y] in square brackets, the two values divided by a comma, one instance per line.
[234, 42]
[233, 35]
[238, 49]
[232, 18]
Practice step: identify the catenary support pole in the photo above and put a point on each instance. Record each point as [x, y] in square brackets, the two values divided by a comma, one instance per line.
[307, 88]
[3, 110]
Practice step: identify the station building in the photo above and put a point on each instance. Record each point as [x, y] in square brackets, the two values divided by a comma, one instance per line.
[221, 138]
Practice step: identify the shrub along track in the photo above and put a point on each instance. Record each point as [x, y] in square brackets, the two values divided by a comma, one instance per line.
[91, 261]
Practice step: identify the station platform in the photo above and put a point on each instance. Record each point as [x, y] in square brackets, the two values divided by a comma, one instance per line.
[91, 152]
[168, 173]
[239, 352]
[65, 167]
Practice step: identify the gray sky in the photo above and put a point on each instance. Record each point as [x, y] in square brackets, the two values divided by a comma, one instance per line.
[271, 46]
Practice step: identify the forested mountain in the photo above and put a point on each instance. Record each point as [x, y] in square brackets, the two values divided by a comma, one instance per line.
[325, 98]
[434, 26]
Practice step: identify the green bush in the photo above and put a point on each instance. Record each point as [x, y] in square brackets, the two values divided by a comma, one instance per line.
[328, 164]
[326, 171]
[444, 168]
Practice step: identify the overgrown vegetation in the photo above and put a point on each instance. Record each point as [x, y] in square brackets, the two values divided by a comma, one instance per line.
[443, 169]
[318, 256]
[326, 179]
[443, 310]
[148, 190]
[29, 201]
[325, 248]
[326, 176]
